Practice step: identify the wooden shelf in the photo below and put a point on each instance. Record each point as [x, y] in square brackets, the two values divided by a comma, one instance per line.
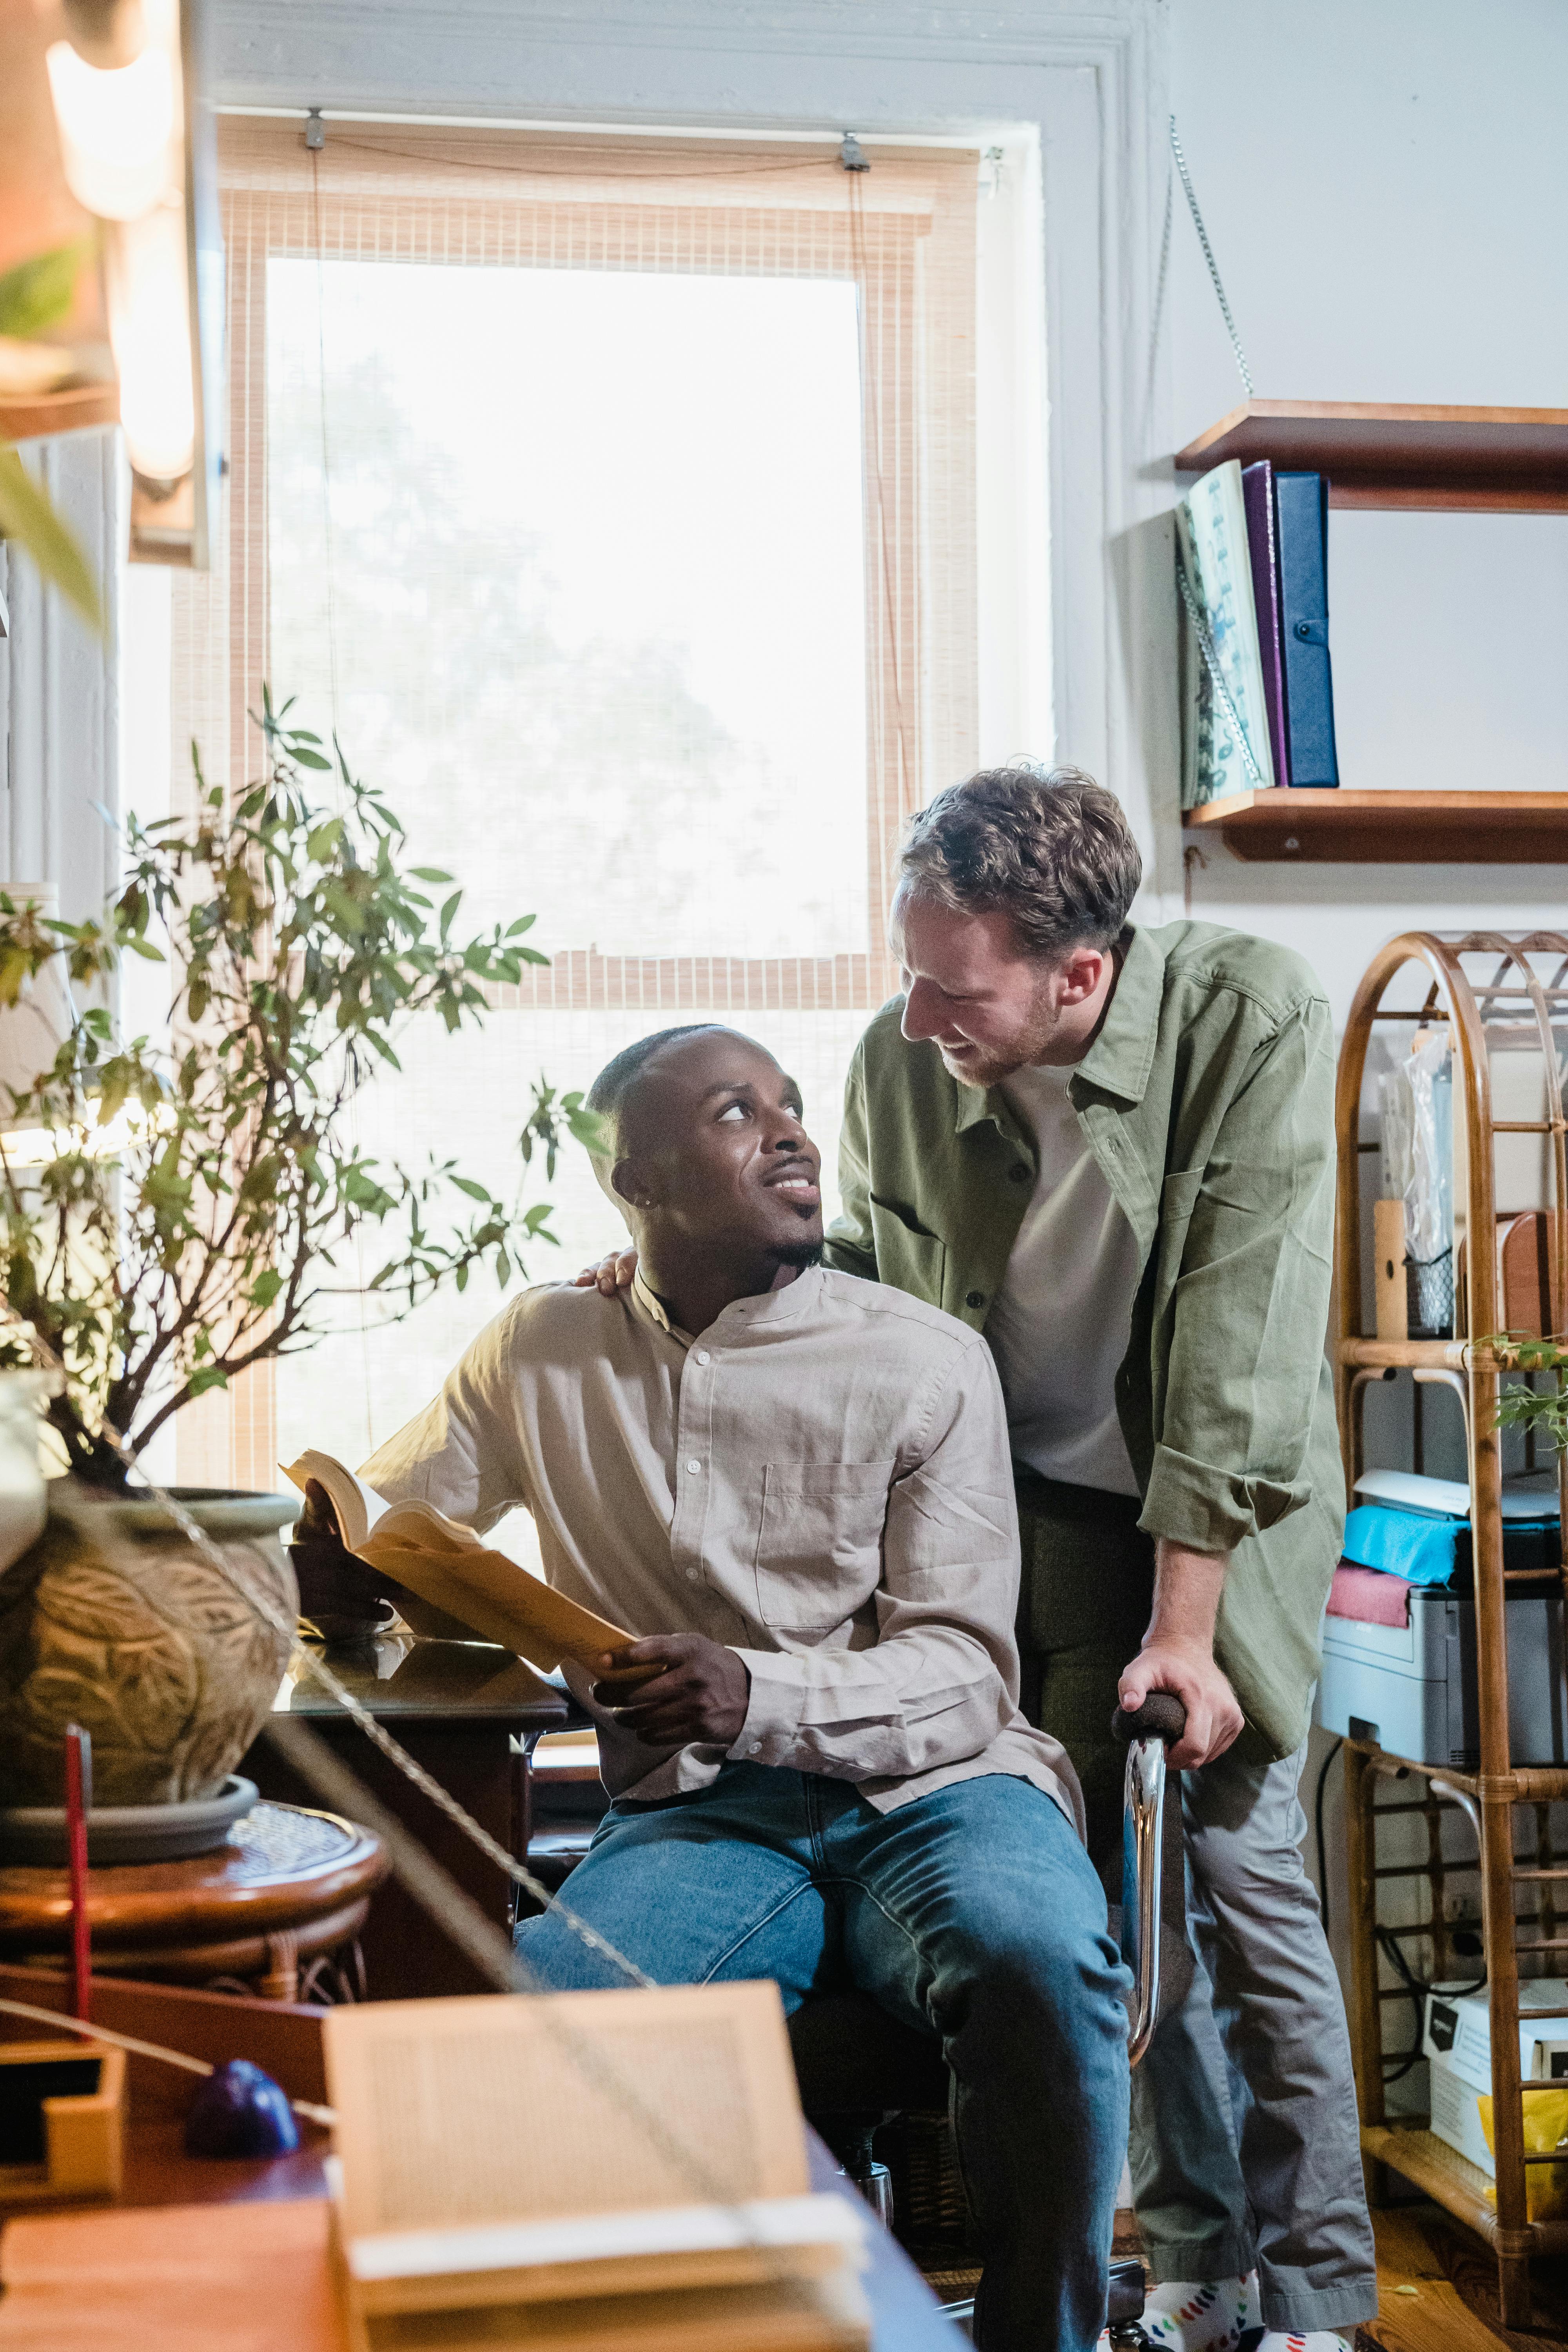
[60, 412]
[1428, 2162]
[1481, 460]
[1375, 1355]
[1390, 828]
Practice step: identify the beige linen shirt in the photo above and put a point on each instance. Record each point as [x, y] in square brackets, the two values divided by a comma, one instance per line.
[820, 1480]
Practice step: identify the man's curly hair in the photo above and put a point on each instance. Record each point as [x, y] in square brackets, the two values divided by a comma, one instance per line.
[1049, 848]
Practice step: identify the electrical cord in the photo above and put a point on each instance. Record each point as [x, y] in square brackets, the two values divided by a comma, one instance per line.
[1415, 1988]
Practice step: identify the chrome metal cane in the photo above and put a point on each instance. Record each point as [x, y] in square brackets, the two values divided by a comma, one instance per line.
[1148, 1732]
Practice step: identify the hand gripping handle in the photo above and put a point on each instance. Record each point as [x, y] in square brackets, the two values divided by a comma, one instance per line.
[1161, 1717]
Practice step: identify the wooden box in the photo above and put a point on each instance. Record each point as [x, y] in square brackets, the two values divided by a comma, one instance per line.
[62, 2107]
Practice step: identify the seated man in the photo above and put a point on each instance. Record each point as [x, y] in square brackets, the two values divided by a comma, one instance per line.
[797, 1485]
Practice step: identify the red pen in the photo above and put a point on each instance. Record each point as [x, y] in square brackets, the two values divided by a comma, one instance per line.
[79, 1804]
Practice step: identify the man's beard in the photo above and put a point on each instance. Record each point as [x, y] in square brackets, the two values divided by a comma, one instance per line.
[797, 1254]
[1038, 1027]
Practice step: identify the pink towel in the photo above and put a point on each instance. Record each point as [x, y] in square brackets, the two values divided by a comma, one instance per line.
[1366, 1594]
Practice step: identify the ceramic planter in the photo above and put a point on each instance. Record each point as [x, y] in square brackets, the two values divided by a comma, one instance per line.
[113, 1620]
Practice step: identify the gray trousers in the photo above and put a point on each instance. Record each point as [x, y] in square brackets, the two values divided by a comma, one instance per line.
[1244, 2143]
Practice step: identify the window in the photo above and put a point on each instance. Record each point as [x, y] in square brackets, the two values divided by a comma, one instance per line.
[612, 500]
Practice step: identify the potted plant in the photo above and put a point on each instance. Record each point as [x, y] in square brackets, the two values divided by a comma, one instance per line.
[174, 1211]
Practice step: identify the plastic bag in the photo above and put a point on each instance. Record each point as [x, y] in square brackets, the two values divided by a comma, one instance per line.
[1417, 1102]
[1545, 2127]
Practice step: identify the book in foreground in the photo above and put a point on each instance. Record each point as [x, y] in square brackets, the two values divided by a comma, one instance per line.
[451, 1568]
[601, 2170]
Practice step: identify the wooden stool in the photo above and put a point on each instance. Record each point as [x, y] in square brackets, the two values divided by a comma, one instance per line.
[289, 1887]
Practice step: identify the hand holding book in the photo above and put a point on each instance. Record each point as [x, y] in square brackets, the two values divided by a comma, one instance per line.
[416, 1548]
[698, 1690]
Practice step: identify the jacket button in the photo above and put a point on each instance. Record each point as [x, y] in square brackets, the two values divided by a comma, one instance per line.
[975, 1298]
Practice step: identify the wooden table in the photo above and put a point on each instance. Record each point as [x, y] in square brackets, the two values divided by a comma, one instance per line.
[116, 2276]
[467, 1712]
[288, 1885]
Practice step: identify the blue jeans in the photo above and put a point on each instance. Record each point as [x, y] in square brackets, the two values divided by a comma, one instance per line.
[973, 1914]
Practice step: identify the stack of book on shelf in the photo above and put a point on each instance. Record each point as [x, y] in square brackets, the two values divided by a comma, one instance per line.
[1257, 705]
[612, 2171]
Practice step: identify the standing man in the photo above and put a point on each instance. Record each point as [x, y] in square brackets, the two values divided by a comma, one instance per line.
[1111, 1151]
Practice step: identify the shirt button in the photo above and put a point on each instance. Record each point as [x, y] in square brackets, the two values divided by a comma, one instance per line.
[703, 1355]
[694, 1576]
[975, 1298]
[694, 1467]
[1020, 1174]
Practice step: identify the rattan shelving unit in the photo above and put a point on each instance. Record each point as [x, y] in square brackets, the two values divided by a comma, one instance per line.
[1485, 984]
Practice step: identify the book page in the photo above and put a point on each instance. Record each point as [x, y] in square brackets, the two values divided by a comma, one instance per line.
[510, 2108]
[358, 1506]
[451, 1568]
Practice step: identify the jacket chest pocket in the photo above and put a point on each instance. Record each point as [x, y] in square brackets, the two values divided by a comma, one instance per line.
[819, 1547]
[908, 1258]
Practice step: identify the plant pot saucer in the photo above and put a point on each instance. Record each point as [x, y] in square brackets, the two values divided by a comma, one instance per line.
[36, 1834]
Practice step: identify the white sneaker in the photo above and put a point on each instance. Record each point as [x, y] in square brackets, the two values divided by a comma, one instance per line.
[1204, 2316]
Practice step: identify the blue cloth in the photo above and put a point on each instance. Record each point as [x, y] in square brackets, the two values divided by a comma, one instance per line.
[972, 1912]
[1403, 1543]
[1429, 1551]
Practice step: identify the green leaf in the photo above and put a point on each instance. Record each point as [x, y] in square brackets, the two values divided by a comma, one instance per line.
[428, 874]
[28, 520]
[210, 1376]
[37, 294]
[307, 759]
[265, 1287]
[475, 1191]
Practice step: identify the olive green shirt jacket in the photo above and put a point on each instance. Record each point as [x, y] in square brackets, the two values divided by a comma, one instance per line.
[1207, 1099]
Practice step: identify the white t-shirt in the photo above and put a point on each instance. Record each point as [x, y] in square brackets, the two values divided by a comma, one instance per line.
[1059, 1325]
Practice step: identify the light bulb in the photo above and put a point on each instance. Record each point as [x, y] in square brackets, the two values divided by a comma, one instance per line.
[120, 128]
[149, 327]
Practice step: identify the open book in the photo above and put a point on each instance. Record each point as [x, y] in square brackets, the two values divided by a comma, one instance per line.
[451, 1568]
[593, 2168]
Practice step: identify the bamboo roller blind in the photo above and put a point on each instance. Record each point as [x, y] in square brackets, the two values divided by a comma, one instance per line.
[903, 233]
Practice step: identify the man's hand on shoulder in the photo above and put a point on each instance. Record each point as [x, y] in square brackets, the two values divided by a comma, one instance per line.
[611, 1274]
[700, 1692]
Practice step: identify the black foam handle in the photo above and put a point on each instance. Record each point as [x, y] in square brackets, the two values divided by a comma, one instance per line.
[1161, 1717]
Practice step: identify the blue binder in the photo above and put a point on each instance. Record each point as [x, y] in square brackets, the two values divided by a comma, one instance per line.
[1302, 514]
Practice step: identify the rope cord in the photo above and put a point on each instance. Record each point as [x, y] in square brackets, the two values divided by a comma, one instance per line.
[1246, 373]
[309, 2108]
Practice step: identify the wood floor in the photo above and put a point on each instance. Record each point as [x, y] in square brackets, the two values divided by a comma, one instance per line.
[1437, 2291]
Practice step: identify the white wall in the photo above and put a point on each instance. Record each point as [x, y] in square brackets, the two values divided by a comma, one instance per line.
[1382, 188]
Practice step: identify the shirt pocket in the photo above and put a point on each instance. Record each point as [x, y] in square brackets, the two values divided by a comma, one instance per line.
[819, 1547]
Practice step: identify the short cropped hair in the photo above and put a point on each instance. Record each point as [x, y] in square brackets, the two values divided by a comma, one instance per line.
[1049, 848]
[617, 1082]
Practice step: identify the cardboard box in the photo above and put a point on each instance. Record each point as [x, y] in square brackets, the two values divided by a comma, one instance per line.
[1458, 2037]
[1456, 2116]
